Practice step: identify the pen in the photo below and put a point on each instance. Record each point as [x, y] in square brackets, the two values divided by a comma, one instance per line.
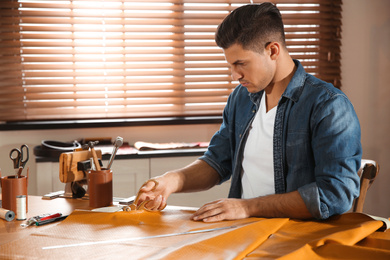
[50, 220]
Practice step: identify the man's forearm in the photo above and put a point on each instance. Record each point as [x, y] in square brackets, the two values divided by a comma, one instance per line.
[197, 176]
[279, 205]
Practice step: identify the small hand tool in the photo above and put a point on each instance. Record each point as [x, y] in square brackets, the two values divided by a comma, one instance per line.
[19, 158]
[118, 143]
[43, 217]
[134, 205]
[50, 220]
[94, 156]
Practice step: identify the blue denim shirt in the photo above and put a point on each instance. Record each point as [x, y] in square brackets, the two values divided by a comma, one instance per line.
[317, 148]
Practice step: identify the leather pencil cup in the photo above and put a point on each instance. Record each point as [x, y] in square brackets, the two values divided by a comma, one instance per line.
[100, 188]
[11, 187]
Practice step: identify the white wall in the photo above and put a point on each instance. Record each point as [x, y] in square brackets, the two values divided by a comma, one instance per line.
[365, 79]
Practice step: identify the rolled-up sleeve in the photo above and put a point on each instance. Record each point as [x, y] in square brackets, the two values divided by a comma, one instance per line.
[337, 154]
[219, 152]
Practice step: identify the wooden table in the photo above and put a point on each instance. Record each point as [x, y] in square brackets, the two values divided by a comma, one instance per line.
[11, 230]
[144, 235]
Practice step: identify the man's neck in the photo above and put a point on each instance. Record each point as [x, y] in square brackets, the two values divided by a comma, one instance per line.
[284, 73]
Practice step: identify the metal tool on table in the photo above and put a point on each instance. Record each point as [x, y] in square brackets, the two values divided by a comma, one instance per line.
[118, 143]
[134, 205]
[41, 219]
[20, 158]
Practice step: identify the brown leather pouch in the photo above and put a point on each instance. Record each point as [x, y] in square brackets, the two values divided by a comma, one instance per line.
[68, 165]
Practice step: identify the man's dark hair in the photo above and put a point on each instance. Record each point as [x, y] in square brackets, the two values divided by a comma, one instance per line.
[252, 26]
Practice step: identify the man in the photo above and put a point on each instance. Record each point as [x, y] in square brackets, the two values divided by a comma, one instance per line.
[289, 141]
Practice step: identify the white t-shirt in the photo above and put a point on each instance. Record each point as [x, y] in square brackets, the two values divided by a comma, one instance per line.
[258, 164]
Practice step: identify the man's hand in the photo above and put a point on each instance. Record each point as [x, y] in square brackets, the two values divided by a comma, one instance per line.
[287, 205]
[156, 195]
[195, 177]
[223, 209]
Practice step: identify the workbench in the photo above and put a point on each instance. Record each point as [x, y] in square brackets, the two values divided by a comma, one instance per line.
[171, 234]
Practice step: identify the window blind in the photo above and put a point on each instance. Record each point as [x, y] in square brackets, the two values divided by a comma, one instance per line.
[82, 59]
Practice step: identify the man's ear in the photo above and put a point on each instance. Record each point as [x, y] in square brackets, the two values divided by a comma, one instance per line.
[274, 50]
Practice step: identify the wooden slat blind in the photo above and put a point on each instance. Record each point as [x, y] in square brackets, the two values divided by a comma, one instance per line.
[82, 59]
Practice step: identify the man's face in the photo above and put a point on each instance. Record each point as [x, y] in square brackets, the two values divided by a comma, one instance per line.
[253, 70]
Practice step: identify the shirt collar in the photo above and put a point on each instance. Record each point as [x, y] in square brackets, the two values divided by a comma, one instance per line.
[294, 88]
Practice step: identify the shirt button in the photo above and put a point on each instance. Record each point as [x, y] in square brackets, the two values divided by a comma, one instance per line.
[253, 111]
[240, 135]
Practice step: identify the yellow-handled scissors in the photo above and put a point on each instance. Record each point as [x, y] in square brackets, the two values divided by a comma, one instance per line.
[19, 156]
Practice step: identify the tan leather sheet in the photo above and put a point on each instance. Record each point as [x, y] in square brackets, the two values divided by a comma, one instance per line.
[340, 237]
[112, 229]
[161, 235]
